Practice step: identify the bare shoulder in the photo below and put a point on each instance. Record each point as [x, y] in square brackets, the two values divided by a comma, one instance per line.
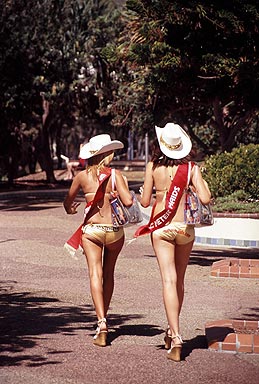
[81, 174]
[149, 173]
[80, 178]
[149, 167]
[195, 169]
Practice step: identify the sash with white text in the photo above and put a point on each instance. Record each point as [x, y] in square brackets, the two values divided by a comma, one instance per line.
[173, 197]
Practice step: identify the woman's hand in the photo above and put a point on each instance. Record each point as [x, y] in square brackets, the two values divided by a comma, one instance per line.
[73, 208]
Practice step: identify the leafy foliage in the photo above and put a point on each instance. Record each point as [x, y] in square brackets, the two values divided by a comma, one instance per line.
[101, 67]
[200, 64]
[234, 172]
[51, 53]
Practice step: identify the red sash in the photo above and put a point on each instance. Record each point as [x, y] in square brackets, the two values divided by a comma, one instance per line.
[76, 239]
[173, 197]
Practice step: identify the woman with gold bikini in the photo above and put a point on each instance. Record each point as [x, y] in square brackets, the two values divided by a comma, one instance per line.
[171, 238]
[100, 239]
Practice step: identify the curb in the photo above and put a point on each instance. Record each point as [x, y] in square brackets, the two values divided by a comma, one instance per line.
[203, 237]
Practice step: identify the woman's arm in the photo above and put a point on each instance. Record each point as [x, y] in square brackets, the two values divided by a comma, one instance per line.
[146, 192]
[200, 185]
[122, 188]
[69, 205]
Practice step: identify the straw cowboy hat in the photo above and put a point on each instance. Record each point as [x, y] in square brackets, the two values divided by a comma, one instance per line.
[173, 141]
[99, 144]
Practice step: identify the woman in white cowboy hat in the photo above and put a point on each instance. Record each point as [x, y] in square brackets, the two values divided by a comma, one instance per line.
[172, 240]
[100, 239]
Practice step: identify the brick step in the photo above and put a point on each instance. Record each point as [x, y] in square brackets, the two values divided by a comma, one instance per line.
[233, 336]
[239, 268]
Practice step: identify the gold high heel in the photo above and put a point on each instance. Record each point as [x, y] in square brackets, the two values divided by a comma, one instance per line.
[174, 352]
[167, 338]
[100, 337]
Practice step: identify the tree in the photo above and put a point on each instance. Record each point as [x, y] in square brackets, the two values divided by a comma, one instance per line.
[197, 62]
[52, 74]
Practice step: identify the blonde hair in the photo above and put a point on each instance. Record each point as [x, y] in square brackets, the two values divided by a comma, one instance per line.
[98, 162]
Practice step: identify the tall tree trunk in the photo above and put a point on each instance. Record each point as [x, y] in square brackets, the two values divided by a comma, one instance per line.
[228, 126]
[13, 155]
[222, 128]
[44, 150]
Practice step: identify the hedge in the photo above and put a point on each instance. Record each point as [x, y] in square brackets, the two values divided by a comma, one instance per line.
[238, 170]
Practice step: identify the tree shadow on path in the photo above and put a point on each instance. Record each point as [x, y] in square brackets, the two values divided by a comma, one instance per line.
[28, 320]
[144, 330]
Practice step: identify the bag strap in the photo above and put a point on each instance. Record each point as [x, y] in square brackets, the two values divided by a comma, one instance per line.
[113, 178]
[191, 164]
[189, 173]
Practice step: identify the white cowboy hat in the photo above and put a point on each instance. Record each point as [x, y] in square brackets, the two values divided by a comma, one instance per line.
[173, 141]
[99, 144]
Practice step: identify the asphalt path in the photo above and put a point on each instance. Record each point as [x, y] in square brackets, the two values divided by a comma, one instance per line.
[47, 319]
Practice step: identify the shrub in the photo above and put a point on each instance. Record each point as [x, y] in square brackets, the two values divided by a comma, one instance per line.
[229, 172]
[236, 202]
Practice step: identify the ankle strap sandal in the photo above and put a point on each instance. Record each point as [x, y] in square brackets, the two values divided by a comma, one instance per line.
[174, 352]
[179, 337]
[100, 337]
[167, 338]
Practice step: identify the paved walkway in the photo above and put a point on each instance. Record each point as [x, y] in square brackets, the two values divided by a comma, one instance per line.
[47, 321]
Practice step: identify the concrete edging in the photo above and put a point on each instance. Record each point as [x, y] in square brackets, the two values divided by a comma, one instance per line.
[228, 230]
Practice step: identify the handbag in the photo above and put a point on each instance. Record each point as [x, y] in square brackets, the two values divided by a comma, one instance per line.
[196, 213]
[122, 215]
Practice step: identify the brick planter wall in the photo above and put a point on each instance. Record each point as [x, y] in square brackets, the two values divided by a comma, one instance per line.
[239, 268]
[233, 336]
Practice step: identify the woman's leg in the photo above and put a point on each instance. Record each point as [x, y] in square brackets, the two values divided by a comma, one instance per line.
[93, 252]
[182, 255]
[172, 260]
[101, 264]
[110, 256]
[165, 253]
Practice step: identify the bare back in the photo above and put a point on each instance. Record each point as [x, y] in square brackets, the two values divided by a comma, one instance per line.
[88, 181]
[160, 178]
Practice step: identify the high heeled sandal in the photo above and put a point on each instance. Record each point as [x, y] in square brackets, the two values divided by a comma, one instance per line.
[174, 352]
[100, 337]
[167, 338]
